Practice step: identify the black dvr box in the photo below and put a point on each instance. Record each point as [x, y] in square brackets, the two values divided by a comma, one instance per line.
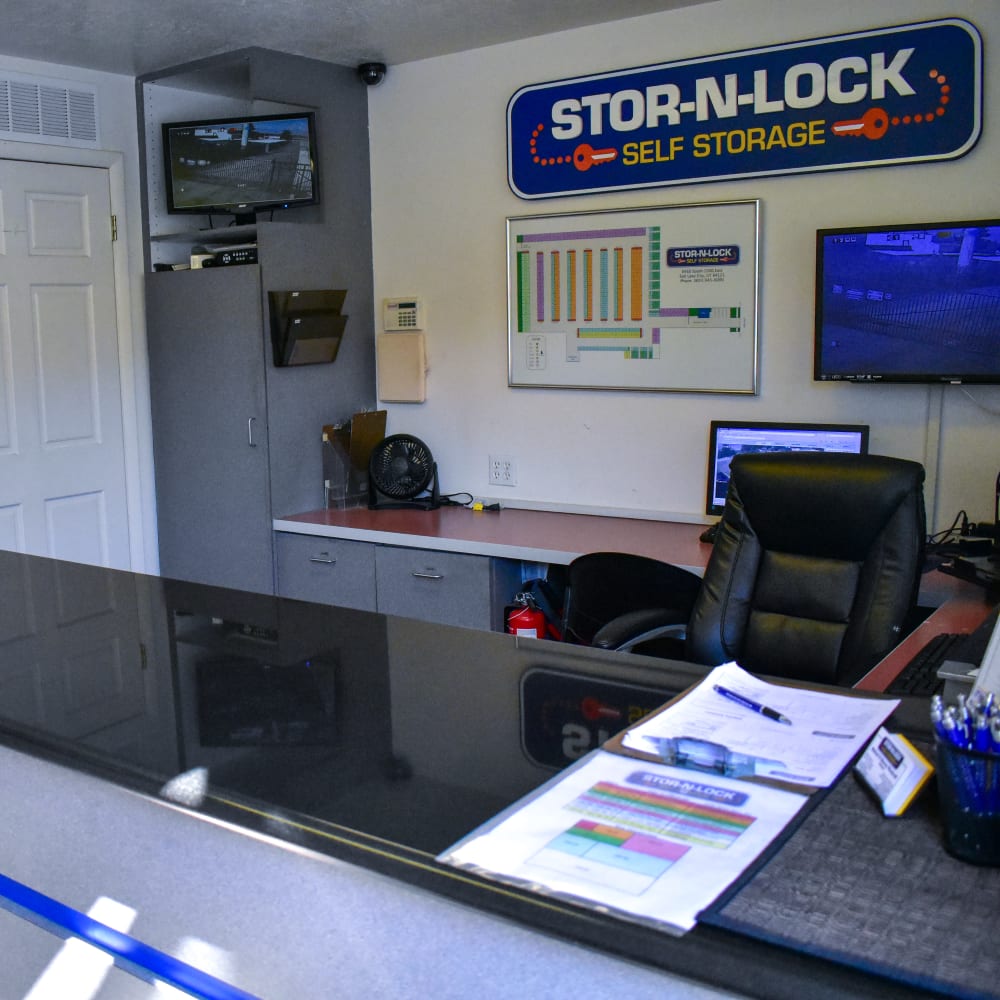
[237, 255]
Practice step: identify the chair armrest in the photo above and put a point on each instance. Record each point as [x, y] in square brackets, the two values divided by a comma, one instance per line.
[635, 627]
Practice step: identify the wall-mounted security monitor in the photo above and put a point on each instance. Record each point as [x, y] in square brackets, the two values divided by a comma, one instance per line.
[729, 438]
[241, 165]
[910, 303]
[306, 326]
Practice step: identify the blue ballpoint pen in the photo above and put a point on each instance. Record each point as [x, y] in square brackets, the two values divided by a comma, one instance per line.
[952, 730]
[964, 715]
[752, 705]
[937, 718]
[981, 740]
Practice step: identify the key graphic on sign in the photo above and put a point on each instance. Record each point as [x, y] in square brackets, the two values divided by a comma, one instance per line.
[592, 709]
[585, 156]
[872, 125]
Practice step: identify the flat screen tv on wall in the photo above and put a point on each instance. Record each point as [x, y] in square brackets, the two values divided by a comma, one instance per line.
[918, 302]
[241, 165]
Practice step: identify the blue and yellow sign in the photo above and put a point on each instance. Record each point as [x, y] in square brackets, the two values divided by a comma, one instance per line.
[892, 95]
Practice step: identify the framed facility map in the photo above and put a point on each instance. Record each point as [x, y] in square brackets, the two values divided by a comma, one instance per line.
[661, 298]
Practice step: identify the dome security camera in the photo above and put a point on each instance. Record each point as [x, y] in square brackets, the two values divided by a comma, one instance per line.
[372, 73]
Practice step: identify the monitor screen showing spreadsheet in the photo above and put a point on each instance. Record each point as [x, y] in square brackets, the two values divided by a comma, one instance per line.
[727, 439]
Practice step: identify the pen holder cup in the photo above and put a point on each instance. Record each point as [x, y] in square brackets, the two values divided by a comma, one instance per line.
[969, 794]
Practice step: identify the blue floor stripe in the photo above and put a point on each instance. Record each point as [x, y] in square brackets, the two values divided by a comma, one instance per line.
[128, 953]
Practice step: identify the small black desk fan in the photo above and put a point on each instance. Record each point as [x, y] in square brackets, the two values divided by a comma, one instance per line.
[402, 473]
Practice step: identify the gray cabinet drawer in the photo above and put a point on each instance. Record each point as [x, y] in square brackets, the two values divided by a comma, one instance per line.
[449, 588]
[326, 570]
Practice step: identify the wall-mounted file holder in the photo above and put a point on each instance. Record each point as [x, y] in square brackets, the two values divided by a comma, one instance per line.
[306, 326]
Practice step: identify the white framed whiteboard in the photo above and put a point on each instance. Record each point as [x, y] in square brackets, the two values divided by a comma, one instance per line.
[661, 299]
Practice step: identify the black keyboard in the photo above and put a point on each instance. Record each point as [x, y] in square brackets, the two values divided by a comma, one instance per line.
[919, 677]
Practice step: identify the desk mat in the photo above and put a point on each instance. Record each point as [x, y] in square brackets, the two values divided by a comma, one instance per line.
[877, 894]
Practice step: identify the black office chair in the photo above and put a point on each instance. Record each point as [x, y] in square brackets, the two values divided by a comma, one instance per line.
[813, 576]
[638, 594]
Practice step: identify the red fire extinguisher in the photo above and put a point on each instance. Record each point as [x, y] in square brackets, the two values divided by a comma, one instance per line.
[524, 617]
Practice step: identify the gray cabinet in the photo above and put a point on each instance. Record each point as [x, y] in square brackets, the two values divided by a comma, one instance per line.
[236, 440]
[326, 570]
[448, 588]
[210, 426]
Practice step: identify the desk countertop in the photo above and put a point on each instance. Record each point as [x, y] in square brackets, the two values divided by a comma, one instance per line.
[958, 606]
[379, 741]
[531, 535]
[551, 537]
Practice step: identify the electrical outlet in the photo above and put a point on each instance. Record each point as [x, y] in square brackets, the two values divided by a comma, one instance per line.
[503, 470]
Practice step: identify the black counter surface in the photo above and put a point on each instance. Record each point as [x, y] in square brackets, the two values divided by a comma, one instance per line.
[378, 740]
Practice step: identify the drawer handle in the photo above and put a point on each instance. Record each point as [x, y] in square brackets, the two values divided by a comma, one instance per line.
[428, 576]
[323, 557]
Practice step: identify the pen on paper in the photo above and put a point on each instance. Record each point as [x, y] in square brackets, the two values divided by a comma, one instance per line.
[754, 706]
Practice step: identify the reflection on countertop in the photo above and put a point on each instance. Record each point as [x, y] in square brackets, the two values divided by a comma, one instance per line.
[390, 728]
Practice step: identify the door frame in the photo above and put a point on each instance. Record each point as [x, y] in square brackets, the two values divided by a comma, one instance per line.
[132, 358]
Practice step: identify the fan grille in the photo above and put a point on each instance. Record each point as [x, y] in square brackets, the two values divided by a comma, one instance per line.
[401, 466]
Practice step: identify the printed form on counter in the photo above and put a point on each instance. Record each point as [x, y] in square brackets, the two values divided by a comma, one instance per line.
[778, 731]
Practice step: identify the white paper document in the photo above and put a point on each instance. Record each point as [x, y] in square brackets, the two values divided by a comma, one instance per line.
[793, 734]
[649, 841]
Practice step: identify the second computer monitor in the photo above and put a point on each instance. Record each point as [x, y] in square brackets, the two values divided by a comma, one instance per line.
[729, 438]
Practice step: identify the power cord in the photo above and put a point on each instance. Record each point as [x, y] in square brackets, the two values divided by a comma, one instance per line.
[949, 533]
[449, 500]
[963, 538]
[980, 404]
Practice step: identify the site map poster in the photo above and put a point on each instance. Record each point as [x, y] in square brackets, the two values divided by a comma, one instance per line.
[661, 298]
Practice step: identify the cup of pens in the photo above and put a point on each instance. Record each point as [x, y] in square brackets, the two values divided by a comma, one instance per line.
[968, 774]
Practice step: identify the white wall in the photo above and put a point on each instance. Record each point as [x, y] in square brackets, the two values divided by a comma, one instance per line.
[440, 197]
[117, 135]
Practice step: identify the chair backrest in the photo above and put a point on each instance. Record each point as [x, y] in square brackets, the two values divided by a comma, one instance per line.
[601, 586]
[816, 565]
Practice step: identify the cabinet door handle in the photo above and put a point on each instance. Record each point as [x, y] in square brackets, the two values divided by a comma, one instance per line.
[428, 576]
[323, 557]
[250, 440]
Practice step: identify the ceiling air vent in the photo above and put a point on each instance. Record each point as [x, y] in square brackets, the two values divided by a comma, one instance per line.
[33, 109]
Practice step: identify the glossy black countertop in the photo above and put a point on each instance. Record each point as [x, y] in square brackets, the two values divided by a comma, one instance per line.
[376, 739]
[394, 728]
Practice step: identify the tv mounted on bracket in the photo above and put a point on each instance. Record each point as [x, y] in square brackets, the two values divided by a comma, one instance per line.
[241, 165]
[913, 303]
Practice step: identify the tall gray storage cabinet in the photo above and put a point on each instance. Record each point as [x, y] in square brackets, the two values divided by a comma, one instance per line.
[237, 440]
[209, 408]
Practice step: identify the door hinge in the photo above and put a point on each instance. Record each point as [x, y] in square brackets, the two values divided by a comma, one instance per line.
[114, 228]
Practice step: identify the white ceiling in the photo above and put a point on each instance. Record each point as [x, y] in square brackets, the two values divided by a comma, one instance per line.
[138, 36]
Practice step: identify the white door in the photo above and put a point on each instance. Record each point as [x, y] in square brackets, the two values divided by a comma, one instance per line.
[62, 461]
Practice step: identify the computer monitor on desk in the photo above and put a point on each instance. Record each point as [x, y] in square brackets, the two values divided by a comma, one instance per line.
[729, 438]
